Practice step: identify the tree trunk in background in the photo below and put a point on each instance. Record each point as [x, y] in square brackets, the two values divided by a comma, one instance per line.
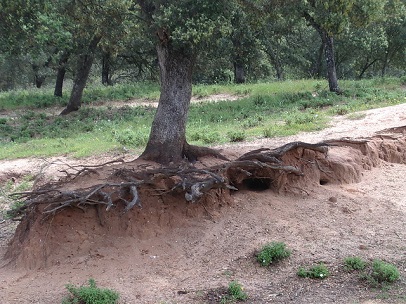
[60, 76]
[38, 78]
[330, 61]
[106, 62]
[276, 62]
[84, 64]
[167, 140]
[239, 72]
[318, 63]
[328, 43]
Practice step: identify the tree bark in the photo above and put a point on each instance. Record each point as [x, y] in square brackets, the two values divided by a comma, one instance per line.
[239, 72]
[318, 63]
[60, 76]
[365, 67]
[328, 43]
[38, 77]
[330, 62]
[84, 64]
[276, 62]
[106, 62]
[167, 140]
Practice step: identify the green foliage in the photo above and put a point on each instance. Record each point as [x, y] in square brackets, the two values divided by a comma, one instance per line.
[354, 263]
[131, 137]
[235, 136]
[272, 252]
[206, 136]
[235, 293]
[382, 272]
[90, 295]
[11, 203]
[38, 99]
[190, 23]
[319, 271]
[273, 109]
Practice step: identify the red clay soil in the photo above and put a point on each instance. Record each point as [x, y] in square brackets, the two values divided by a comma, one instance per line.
[350, 202]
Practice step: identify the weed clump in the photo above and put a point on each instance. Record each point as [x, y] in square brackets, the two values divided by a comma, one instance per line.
[381, 273]
[90, 295]
[354, 263]
[272, 252]
[236, 136]
[319, 271]
[235, 293]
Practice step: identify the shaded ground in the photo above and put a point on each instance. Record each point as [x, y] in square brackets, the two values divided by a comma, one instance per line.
[173, 252]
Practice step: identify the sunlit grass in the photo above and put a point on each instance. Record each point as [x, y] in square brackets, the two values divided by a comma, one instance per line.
[263, 110]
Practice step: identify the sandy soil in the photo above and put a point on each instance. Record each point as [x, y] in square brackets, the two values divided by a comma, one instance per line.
[175, 252]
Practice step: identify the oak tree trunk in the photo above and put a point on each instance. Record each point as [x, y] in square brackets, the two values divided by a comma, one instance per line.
[38, 77]
[167, 140]
[106, 62]
[328, 43]
[239, 72]
[60, 76]
[330, 62]
[84, 64]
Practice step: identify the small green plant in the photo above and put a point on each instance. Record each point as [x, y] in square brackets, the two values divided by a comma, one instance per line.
[340, 110]
[354, 263]
[206, 136]
[272, 252]
[319, 271]
[12, 203]
[235, 293]
[236, 136]
[356, 116]
[382, 273]
[90, 295]
[129, 137]
[252, 121]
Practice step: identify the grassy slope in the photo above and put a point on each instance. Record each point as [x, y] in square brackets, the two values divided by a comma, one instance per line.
[267, 109]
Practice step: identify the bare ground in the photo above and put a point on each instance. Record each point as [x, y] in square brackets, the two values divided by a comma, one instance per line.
[174, 252]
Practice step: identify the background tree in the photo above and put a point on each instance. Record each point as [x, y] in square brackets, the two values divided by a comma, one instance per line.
[91, 21]
[331, 18]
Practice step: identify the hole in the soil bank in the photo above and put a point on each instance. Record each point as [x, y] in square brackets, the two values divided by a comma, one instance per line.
[323, 182]
[257, 184]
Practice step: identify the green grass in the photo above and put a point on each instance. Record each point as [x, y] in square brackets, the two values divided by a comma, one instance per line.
[265, 110]
[9, 203]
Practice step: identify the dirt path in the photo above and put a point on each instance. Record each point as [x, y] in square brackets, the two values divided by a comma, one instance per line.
[178, 256]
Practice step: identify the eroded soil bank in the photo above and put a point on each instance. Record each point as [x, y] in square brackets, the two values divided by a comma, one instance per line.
[351, 202]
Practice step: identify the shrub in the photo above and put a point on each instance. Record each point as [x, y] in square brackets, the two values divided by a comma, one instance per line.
[319, 271]
[252, 121]
[90, 295]
[272, 252]
[235, 293]
[383, 272]
[129, 137]
[354, 263]
[235, 136]
[206, 136]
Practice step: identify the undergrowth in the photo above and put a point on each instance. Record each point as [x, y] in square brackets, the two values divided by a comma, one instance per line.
[319, 271]
[90, 295]
[272, 252]
[235, 292]
[263, 110]
[9, 203]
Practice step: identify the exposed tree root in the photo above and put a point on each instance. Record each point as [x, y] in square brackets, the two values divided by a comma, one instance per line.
[193, 182]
